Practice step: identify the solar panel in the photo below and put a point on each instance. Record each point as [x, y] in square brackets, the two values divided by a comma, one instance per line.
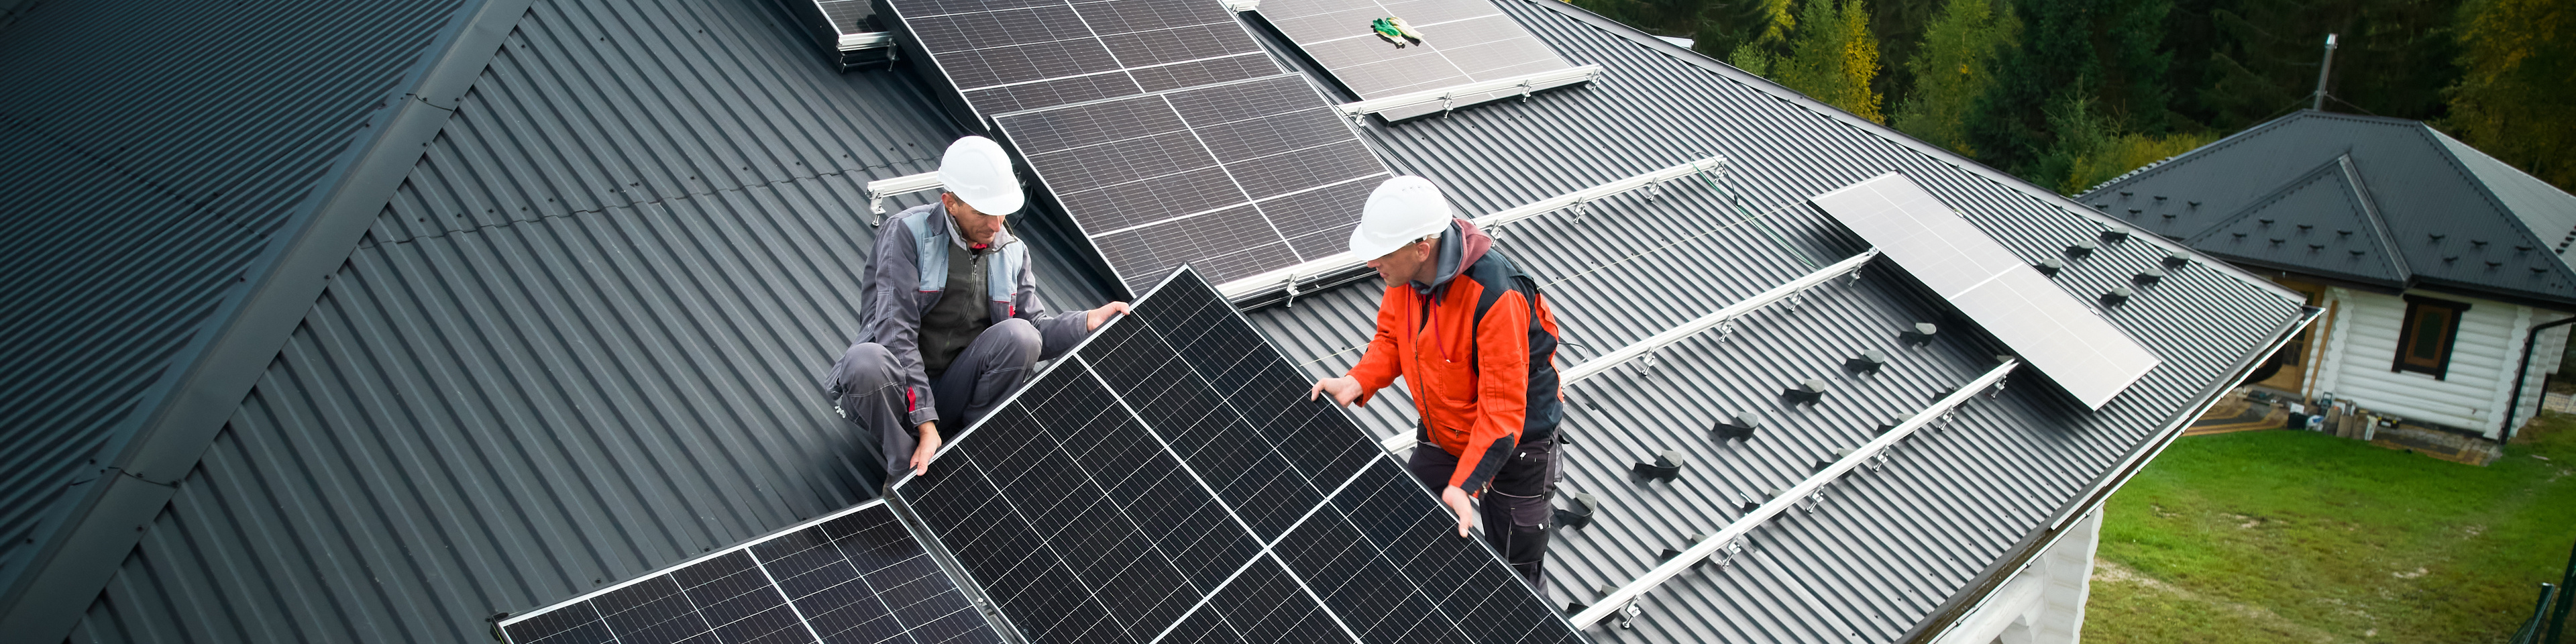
[1169, 482]
[2069, 342]
[1463, 41]
[1234, 179]
[856, 576]
[1004, 56]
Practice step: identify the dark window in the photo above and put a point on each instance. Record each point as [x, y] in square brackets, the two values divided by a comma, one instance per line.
[2424, 340]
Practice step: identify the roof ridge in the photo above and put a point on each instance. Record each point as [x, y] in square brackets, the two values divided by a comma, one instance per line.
[188, 407]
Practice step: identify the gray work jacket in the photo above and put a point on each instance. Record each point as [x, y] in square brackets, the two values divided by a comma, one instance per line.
[908, 274]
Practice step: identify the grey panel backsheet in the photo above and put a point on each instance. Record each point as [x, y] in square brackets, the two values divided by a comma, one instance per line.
[856, 577]
[2065, 339]
[1464, 41]
[1235, 178]
[1171, 483]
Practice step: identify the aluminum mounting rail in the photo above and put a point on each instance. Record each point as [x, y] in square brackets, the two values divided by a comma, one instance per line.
[1447, 96]
[879, 189]
[866, 40]
[1613, 359]
[1619, 601]
[1287, 278]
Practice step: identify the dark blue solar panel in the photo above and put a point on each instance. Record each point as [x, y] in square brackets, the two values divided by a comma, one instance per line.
[858, 578]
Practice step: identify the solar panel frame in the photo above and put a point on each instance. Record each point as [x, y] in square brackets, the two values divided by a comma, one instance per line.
[2068, 341]
[1205, 359]
[912, 594]
[1465, 41]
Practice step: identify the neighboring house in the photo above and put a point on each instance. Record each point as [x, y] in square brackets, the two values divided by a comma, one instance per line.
[368, 322]
[2434, 261]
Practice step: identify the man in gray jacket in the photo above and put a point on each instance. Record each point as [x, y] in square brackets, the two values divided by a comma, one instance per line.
[950, 320]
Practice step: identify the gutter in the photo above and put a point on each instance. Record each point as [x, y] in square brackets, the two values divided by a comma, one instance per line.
[2522, 373]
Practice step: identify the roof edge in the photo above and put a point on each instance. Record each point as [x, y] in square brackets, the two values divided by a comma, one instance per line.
[1960, 606]
[1892, 135]
[183, 413]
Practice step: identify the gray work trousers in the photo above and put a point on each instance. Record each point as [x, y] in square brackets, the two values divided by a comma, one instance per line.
[1515, 507]
[872, 391]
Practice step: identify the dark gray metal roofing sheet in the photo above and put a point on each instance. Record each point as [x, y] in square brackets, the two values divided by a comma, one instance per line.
[1887, 548]
[2420, 182]
[139, 198]
[2322, 222]
[578, 343]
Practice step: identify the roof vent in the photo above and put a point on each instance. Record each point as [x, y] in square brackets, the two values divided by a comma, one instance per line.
[2118, 296]
[2050, 266]
[2149, 276]
[2082, 249]
[1578, 510]
[2178, 257]
[1867, 362]
[1919, 335]
[2115, 236]
[1806, 393]
[1666, 466]
[1738, 427]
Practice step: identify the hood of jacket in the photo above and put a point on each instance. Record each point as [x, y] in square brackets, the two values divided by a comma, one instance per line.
[1459, 248]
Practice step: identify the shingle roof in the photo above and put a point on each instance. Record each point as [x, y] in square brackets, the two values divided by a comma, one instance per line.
[2454, 217]
[570, 338]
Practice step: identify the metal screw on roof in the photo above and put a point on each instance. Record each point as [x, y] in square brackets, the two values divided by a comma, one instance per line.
[1810, 392]
[1738, 427]
[2118, 296]
[1921, 334]
[1666, 466]
[1867, 362]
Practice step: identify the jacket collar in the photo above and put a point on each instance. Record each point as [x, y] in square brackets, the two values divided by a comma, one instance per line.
[1459, 247]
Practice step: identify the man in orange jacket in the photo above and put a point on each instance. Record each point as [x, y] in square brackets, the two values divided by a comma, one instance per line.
[1475, 344]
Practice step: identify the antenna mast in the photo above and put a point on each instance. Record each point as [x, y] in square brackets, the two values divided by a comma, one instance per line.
[2322, 71]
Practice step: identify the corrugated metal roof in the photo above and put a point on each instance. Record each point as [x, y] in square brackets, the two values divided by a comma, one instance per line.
[578, 342]
[2495, 224]
[154, 152]
[577, 345]
[1887, 548]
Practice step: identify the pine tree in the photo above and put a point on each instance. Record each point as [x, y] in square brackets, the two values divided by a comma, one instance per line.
[2521, 76]
[2106, 52]
[1951, 68]
[1832, 57]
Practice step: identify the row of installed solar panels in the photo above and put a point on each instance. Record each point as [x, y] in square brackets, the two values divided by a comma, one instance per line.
[1165, 133]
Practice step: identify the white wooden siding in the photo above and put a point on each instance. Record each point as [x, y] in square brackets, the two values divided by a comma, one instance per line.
[2364, 345]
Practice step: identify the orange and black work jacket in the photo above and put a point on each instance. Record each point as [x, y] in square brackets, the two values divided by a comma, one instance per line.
[1476, 348]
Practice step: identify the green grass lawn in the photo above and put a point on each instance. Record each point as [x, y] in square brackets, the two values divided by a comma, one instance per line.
[2279, 536]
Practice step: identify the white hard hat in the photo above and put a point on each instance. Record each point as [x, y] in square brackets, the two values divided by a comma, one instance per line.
[979, 173]
[1400, 211]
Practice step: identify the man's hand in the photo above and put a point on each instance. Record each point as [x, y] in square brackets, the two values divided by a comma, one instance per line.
[1100, 315]
[1457, 501]
[929, 447]
[1344, 390]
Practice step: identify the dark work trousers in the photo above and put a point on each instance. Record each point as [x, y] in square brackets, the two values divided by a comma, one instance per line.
[1515, 505]
[996, 363]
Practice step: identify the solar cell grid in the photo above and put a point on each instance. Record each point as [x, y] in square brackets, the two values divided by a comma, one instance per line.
[858, 577]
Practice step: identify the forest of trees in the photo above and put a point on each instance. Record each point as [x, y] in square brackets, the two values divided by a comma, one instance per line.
[2071, 93]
